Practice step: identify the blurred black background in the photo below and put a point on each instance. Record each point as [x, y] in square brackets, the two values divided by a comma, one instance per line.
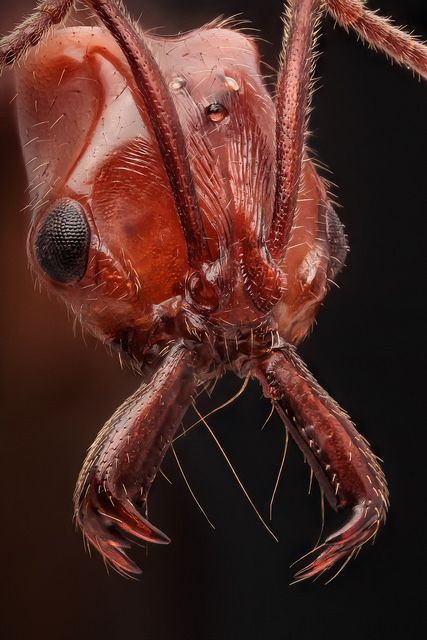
[369, 127]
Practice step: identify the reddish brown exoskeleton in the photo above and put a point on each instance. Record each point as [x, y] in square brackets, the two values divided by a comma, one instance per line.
[176, 212]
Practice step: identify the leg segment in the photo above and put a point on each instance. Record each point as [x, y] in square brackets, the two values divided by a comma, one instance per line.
[33, 30]
[380, 34]
[165, 122]
[293, 93]
[346, 469]
[123, 461]
[293, 90]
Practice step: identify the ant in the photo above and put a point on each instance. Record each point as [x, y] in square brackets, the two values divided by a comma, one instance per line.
[177, 212]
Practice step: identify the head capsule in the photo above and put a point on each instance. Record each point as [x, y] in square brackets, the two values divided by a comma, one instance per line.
[104, 233]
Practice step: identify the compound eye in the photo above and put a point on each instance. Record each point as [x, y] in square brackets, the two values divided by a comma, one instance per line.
[62, 245]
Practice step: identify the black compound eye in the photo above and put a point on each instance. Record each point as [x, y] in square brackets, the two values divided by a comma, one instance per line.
[62, 245]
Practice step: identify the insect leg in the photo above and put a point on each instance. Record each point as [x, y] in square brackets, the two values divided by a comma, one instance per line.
[32, 31]
[293, 94]
[124, 459]
[165, 122]
[347, 471]
[380, 34]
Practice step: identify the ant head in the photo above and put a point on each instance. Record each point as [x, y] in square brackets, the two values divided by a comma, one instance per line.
[152, 194]
[105, 235]
[106, 232]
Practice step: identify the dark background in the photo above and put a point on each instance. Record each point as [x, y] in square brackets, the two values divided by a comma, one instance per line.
[369, 127]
